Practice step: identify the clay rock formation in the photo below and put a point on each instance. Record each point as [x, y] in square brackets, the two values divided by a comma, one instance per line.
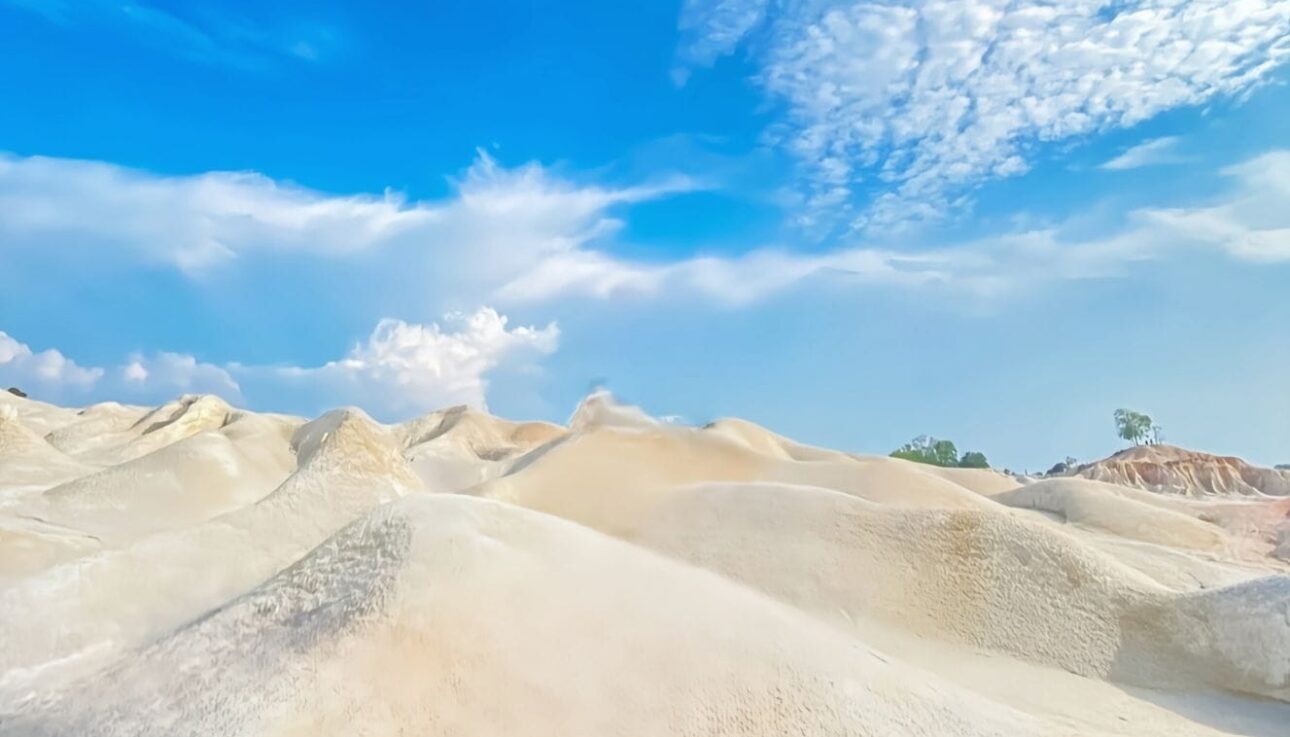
[1168, 469]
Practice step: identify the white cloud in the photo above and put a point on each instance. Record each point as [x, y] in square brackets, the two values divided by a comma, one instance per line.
[178, 373]
[405, 368]
[401, 369]
[26, 369]
[712, 28]
[193, 223]
[1250, 222]
[734, 281]
[499, 222]
[524, 236]
[51, 375]
[920, 101]
[1154, 152]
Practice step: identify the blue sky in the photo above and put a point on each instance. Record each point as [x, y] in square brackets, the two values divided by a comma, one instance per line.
[854, 222]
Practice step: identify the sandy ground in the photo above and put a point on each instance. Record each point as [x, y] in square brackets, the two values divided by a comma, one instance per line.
[195, 569]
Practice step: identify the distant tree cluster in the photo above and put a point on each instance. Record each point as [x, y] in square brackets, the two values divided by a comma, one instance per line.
[926, 449]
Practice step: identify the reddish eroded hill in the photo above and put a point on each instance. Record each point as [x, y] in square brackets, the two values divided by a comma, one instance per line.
[1172, 470]
[1168, 469]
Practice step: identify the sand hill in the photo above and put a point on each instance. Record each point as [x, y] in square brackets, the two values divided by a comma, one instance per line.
[197, 569]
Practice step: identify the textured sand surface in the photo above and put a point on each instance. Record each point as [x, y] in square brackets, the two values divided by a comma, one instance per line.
[195, 569]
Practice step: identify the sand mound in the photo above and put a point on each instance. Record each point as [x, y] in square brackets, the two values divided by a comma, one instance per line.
[97, 426]
[609, 476]
[39, 417]
[984, 579]
[180, 485]
[451, 616]
[1116, 510]
[459, 447]
[1172, 470]
[28, 462]
[93, 605]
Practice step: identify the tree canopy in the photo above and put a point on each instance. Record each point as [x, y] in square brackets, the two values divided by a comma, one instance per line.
[1135, 427]
[927, 449]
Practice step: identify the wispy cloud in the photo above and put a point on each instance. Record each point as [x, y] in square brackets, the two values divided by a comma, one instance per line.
[1155, 152]
[711, 29]
[202, 34]
[499, 223]
[1250, 222]
[897, 110]
[524, 236]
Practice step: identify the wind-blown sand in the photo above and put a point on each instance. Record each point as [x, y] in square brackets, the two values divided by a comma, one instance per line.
[196, 569]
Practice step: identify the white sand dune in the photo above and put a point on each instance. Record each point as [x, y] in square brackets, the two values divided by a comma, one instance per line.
[986, 580]
[1116, 510]
[201, 570]
[27, 461]
[457, 448]
[423, 616]
[117, 598]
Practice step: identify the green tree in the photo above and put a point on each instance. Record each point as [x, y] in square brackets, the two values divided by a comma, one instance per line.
[1134, 427]
[930, 450]
[926, 449]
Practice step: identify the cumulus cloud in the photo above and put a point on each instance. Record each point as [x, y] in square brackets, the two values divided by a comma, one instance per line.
[915, 103]
[51, 375]
[177, 373]
[402, 368]
[24, 368]
[1154, 152]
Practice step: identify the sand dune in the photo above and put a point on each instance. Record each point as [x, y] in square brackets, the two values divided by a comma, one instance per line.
[116, 598]
[27, 461]
[456, 448]
[986, 580]
[198, 569]
[423, 616]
